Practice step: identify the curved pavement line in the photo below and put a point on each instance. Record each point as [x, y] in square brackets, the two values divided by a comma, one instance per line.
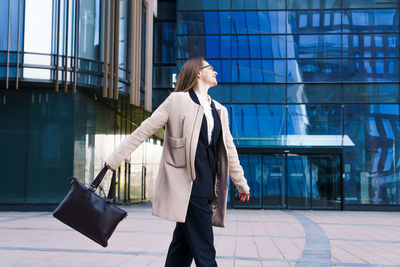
[317, 250]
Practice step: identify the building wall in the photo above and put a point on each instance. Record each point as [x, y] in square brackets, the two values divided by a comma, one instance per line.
[72, 87]
[310, 78]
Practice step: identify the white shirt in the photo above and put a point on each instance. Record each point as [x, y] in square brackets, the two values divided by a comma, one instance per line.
[206, 104]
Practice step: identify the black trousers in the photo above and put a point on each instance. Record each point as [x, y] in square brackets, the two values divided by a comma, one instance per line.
[194, 238]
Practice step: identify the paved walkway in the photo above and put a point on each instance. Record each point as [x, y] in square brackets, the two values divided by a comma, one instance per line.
[251, 238]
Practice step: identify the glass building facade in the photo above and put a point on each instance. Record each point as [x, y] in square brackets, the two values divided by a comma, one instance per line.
[73, 84]
[312, 89]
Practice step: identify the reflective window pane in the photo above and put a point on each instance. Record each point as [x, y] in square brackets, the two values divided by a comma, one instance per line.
[221, 93]
[372, 165]
[258, 93]
[370, 93]
[218, 47]
[244, 22]
[258, 46]
[203, 4]
[369, 4]
[204, 22]
[314, 120]
[208, 46]
[320, 4]
[89, 29]
[164, 42]
[318, 70]
[377, 20]
[314, 93]
[371, 45]
[190, 46]
[314, 21]
[315, 46]
[249, 127]
[258, 71]
[258, 4]
[163, 76]
[379, 70]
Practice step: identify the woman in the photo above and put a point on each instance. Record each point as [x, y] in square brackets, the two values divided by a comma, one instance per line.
[192, 183]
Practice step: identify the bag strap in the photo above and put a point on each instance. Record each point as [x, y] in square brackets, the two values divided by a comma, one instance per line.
[111, 192]
[96, 182]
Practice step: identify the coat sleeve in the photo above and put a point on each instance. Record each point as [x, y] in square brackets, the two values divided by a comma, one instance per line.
[234, 168]
[146, 129]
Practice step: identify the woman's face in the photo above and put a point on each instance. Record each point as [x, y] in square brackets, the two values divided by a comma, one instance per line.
[207, 74]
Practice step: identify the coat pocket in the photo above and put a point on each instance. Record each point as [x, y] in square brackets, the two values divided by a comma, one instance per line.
[176, 152]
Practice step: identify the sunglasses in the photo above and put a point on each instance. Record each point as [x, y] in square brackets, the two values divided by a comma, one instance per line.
[209, 65]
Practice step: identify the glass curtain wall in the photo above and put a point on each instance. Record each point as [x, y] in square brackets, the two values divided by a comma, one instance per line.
[41, 28]
[306, 75]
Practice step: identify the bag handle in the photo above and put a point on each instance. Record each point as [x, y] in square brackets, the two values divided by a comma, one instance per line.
[96, 182]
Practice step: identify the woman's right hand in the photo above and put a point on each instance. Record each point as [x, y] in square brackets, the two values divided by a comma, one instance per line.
[108, 166]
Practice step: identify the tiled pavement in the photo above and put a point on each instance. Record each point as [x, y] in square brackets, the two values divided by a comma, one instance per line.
[251, 238]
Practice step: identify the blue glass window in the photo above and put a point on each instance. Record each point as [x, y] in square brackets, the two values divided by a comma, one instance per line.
[204, 22]
[190, 46]
[371, 178]
[249, 121]
[321, 4]
[318, 70]
[314, 119]
[378, 70]
[370, 45]
[244, 22]
[258, 93]
[13, 26]
[258, 71]
[207, 46]
[378, 20]
[314, 93]
[203, 4]
[257, 4]
[322, 21]
[258, 46]
[218, 47]
[164, 42]
[315, 46]
[371, 92]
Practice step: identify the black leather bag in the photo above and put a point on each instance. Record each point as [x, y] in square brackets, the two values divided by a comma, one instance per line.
[88, 213]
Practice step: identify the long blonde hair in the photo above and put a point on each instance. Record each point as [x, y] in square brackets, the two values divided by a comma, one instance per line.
[188, 75]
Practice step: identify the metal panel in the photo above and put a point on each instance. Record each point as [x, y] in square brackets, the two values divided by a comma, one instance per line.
[8, 42]
[66, 50]
[75, 45]
[19, 29]
[111, 77]
[133, 50]
[105, 65]
[58, 45]
[116, 48]
[138, 50]
[149, 57]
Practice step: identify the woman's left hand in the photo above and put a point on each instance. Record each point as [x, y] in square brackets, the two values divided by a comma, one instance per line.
[244, 196]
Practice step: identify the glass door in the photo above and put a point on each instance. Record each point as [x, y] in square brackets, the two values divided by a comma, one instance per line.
[326, 182]
[274, 181]
[298, 182]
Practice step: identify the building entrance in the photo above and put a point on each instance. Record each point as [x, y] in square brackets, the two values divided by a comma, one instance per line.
[293, 181]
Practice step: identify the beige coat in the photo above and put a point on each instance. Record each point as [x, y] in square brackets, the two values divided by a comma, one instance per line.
[182, 119]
